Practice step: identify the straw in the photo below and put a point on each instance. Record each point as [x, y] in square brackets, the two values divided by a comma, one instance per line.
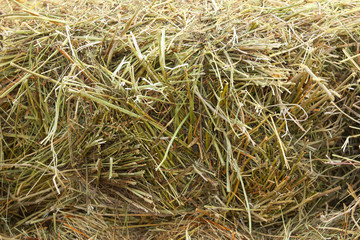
[179, 119]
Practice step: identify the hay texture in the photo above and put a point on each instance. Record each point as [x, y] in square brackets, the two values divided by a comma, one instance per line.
[213, 119]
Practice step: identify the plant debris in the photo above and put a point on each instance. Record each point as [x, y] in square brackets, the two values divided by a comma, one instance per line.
[179, 119]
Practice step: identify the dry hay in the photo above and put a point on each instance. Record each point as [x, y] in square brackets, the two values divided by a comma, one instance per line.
[179, 119]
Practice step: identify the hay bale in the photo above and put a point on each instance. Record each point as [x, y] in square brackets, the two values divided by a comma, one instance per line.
[179, 119]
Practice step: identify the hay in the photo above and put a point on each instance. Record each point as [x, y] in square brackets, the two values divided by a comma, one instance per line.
[179, 119]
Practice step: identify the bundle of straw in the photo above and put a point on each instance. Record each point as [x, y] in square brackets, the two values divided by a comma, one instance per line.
[216, 119]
